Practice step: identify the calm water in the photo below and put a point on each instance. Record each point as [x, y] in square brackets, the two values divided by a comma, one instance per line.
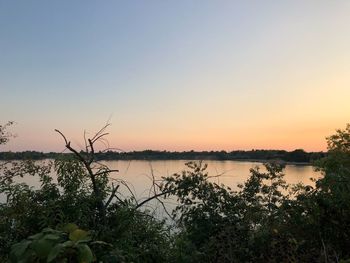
[138, 174]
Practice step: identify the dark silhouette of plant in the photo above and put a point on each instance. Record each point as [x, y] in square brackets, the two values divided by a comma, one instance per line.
[70, 244]
[5, 135]
[80, 193]
[265, 220]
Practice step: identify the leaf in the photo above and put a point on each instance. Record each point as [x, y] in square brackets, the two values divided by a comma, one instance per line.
[36, 236]
[18, 249]
[69, 228]
[54, 252]
[78, 234]
[42, 247]
[68, 243]
[85, 254]
[51, 237]
[48, 230]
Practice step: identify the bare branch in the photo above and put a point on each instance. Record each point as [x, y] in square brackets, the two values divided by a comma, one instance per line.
[92, 151]
[114, 190]
[64, 137]
[127, 187]
[69, 147]
[165, 209]
[97, 134]
[153, 197]
[105, 172]
[99, 137]
[90, 173]
[85, 140]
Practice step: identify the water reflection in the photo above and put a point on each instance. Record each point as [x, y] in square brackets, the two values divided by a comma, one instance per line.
[139, 173]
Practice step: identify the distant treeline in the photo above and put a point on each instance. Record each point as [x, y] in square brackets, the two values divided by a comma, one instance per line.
[298, 156]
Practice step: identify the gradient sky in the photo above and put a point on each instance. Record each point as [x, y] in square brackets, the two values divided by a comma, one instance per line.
[175, 75]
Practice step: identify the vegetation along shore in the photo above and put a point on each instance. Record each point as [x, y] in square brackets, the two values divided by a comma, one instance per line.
[296, 156]
[83, 216]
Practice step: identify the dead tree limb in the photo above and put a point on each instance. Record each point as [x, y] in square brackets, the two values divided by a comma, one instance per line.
[92, 175]
[152, 197]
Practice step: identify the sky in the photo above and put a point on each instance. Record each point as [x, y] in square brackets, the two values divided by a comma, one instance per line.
[175, 75]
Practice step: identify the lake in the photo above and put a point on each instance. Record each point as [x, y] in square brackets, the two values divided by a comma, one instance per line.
[138, 174]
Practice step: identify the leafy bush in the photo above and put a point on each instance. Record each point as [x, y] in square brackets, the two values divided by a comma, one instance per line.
[31, 219]
[54, 246]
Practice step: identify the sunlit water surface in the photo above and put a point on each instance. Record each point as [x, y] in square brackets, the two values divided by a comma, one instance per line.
[139, 175]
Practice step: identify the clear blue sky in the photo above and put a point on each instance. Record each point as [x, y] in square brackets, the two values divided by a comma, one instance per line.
[175, 75]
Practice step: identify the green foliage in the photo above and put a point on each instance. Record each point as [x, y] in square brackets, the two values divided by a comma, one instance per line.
[222, 225]
[79, 192]
[333, 194]
[54, 246]
[132, 235]
[264, 191]
[265, 220]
